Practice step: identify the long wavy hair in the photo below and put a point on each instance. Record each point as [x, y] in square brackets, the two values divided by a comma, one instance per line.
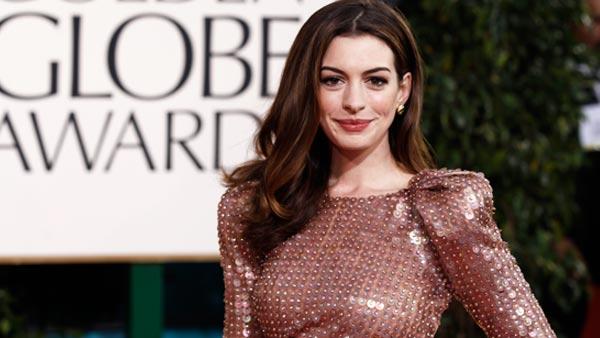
[292, 169]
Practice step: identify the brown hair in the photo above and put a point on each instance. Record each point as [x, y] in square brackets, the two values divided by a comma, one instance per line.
[294, 155]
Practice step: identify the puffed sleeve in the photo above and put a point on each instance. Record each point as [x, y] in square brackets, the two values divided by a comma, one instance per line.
[458, 212]
[239, 266]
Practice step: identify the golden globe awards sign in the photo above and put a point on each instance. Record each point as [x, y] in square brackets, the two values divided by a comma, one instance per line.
[116, 115]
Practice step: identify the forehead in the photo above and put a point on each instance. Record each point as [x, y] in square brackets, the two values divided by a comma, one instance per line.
[358, 52]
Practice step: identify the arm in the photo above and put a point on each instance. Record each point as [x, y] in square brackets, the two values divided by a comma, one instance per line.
[483, 274]
[239, 267]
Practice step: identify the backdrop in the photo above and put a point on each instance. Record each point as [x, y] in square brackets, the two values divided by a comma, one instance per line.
[116, 116]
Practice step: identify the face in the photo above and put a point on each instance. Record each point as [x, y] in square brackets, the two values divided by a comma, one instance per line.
[359, 92]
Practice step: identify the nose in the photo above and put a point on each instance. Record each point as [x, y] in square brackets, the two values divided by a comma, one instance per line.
[354, 100]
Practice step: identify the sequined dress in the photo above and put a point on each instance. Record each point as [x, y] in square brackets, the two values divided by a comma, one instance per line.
[380, 266]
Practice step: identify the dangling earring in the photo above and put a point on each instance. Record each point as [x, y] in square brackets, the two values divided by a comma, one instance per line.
[400, 109]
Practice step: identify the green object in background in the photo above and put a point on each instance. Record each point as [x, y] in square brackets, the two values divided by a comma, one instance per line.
[505, 86]
[146, 303]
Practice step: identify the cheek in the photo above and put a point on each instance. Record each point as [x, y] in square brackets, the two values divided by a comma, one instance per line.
[382, 103]
[328, 102]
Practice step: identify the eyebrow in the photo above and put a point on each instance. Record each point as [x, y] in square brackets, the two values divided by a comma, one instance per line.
[372, 70]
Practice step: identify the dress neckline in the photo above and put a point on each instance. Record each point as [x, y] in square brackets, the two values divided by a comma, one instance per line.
[409, 186]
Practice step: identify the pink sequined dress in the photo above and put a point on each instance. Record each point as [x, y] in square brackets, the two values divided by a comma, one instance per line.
[380, 266]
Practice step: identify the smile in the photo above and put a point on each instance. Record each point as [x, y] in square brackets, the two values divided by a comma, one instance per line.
[353, 125]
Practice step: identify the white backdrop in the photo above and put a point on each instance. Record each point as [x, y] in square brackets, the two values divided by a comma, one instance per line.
[115, 116]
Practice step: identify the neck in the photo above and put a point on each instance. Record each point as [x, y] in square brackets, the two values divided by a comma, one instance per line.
[373, 169]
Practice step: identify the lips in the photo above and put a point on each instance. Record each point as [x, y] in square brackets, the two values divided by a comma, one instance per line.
[353, 121]
[353, 124]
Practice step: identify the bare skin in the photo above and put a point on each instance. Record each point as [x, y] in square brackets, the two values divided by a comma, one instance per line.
[359, 81]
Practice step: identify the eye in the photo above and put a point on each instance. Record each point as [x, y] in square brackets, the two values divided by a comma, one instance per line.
[330, 81]
[378, 81]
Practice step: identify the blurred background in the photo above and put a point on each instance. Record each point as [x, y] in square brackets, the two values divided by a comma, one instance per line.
[115, 117]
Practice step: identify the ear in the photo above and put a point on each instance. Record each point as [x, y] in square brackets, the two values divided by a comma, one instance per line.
[404, 88]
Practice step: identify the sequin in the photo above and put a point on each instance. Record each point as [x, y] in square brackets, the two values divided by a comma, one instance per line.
[471, 197]
[384, 265]
[415, 237]
[487, 254]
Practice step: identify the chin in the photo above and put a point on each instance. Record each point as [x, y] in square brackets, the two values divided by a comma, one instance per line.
[351, 145]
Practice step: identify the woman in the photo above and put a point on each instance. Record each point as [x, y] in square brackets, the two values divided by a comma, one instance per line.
[342, 227]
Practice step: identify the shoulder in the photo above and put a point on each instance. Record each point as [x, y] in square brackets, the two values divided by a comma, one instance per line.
[453, 190]
[233, 204]
[237, 195]
[452, 180]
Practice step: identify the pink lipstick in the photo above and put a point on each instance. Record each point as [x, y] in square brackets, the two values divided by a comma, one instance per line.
[353, 125]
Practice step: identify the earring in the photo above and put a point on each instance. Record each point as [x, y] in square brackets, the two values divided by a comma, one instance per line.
[400, 109]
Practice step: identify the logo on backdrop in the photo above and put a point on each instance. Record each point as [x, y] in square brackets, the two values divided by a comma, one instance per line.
[100, 86]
